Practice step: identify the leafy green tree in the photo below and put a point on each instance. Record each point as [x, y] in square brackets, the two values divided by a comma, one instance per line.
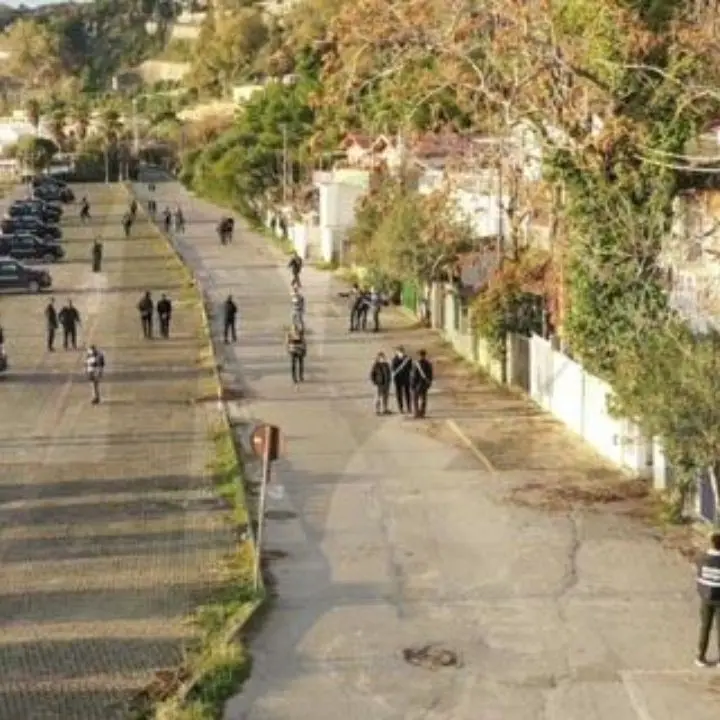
[36, 152]
[34, 53]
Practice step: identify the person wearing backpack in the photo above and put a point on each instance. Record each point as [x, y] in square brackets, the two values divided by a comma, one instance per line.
[94, 367]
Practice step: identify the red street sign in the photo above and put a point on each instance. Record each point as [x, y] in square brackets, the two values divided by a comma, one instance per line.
[266, 441]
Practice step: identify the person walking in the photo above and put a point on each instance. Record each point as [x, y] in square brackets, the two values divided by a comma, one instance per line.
[167, 220]
[164, 313]
[375, 303]
[179, 220]
[69, 319]
[96, 256]
[421, 380]
[51, 324]
[297, 302]
[295, 265]
[363, 307]
[133, 209]
[84, 210]
[127, 223]
[94, 367]
[145, 308]
[708, 587]
[381, 378]
[401, 367]
[297, 349]
[229, 320]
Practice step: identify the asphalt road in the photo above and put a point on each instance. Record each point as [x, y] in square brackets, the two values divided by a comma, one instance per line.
[385, 536]
[109, 530]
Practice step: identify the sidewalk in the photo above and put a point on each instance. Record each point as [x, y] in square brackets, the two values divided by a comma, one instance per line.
[109, 530]
[386, 535]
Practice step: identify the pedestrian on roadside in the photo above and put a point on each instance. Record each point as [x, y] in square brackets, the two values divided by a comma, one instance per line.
[421, 380]
[375, 303]
[401, 367]
[94, 367]
[69, 319]
[381, 378]
[229, 319]
[133, 209]
[363, 307]
[51, 324]
[164, 313]
[84, 210]
[297, 302]
[97, 254]
[179, 220]
[145, 308]
[167, 220]
[295, 265]
[297, 349]
[127, 223]
[708, 587]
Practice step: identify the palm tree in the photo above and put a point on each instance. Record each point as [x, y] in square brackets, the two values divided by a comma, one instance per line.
[81, 118]
[58, 120]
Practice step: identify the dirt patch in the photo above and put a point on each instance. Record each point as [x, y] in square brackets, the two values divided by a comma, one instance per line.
[562, 497]
[432, 657]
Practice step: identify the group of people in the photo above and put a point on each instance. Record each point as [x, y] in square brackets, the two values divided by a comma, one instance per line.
[68, 319]
[411, 378]
[163, 308]
[364, 304]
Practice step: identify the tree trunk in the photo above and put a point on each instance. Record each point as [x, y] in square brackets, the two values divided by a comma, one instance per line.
[714, 475]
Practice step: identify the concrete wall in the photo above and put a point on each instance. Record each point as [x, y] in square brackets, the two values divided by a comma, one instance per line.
[556, 383]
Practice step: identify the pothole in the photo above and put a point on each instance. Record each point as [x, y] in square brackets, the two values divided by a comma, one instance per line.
[280, 515]
[432, 657]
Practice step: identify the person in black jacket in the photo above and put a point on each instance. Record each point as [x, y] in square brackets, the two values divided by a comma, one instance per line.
[51, 324]
[420, 382]
[708, 587]
[164, 313]
[145, 308]
[69, 319]
[401, 367]
[297, 349]
[381, 378]
[229, 320]
[363, 308]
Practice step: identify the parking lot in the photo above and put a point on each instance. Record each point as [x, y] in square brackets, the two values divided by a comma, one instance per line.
[109, 531]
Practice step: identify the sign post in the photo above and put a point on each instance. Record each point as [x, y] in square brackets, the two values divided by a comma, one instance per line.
[265, 441]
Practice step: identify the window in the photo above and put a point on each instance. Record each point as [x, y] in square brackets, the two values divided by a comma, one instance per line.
[9, 270]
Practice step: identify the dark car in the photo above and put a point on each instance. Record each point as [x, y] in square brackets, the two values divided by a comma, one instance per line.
[53, 193]
[35, 208]
[25, 246]
[31, 224]
[42, 180]
[15, 275]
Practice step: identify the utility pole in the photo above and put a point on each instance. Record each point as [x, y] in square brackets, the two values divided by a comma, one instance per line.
[136, 136]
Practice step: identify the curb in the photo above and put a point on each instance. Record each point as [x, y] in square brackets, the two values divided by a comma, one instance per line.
[234, 630]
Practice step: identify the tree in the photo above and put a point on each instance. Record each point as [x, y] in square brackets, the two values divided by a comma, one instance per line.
[81, 118]
[36, 152]
[231, 44]
[58, 122]
[34, 53]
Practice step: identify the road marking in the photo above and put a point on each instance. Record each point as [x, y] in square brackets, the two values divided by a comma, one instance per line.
[635, 696]
[470, 445]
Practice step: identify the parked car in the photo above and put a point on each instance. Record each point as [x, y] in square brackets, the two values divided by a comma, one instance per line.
[25, 246]
[53, 193]
[31, 224]
[40, 180]
[15, 275]
[36, 208]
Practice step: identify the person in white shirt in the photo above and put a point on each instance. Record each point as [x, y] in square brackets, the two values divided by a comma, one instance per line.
[94, 366]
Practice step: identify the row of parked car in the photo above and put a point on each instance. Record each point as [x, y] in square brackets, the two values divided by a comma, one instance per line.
[30, 233]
